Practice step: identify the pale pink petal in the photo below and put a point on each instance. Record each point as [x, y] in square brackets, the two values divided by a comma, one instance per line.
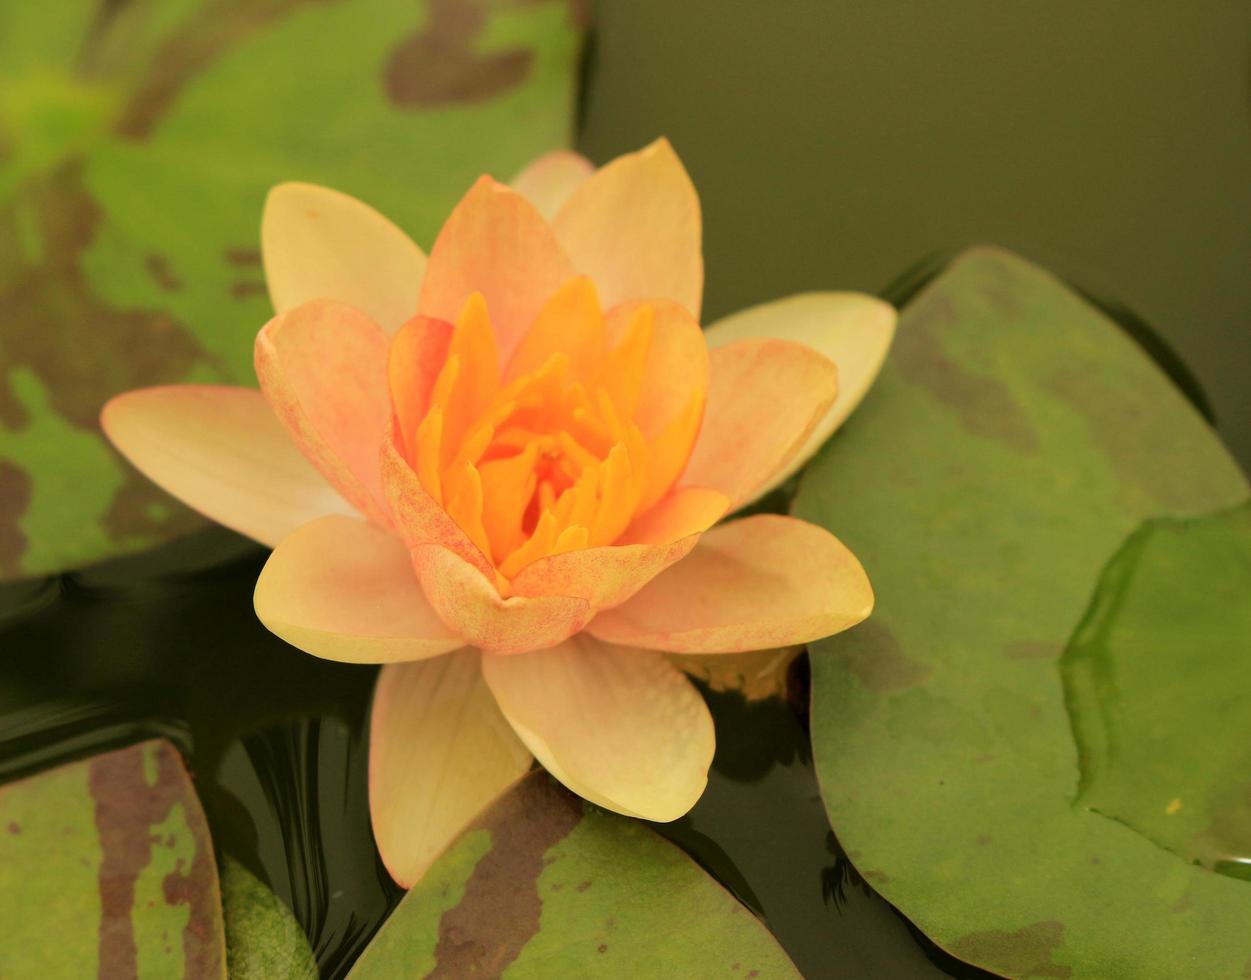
[343, 589]
[548, 181]
[622, 728]
[417, 355]
[439, 752]
[851, 329]
[323, 368]
[317, 243]
[496, 243]
[686, 510]
[677, 360]
[760, 582]
[765, 397]
[603, 576]
[609, 575]
[471, 606]
[634, 227]
[223, 452]
[415, 515]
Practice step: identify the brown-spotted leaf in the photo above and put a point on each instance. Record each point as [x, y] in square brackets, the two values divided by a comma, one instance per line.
[1013, 441]
[137, 143]
[545, 885]
[106, 869]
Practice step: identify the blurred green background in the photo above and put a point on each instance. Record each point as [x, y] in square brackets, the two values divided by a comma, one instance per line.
[835, 143]
[138, 139]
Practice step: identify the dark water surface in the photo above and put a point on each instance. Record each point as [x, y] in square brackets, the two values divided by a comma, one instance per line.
[836, 145]
[167, 644]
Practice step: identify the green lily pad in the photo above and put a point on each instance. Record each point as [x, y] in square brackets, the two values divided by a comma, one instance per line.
[1157, 679]
[106, 869]
[137, 142]
[1014, 440]
[545, 885]
[263, 940]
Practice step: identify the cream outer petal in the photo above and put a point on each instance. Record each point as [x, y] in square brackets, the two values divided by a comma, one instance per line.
[620, 727]
[853, 330]
[344, 589]
[221, 451]
[318, 243]
[440, 751]
[752, 584]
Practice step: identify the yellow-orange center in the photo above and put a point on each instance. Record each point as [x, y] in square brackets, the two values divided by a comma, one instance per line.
[547, 454]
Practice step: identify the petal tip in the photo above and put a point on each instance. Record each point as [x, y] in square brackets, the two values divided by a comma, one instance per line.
[109, 415]
[277, 192]
[488, 184]
[661, 145]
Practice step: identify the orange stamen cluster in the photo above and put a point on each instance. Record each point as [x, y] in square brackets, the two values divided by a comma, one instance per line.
[545, 456]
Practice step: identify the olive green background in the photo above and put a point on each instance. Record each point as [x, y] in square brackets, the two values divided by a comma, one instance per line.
[837, 142]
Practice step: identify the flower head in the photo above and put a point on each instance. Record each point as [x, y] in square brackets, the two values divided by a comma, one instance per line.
[563, 448]
[519, 449]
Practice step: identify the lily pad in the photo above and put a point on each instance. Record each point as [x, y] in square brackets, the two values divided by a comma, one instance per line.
[545, 885]
[263, 940]
[106, 869]
[1157, 680]
[137, 142]
[1013, 441]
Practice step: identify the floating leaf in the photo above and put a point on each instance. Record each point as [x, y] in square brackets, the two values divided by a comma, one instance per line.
[544, 885]
[263, 940]
[1157, 680]
[1013, 441]
[106, 869]
[137, 142]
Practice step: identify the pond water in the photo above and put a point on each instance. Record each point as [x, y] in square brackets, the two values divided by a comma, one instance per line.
[835, 146]
[167, 644]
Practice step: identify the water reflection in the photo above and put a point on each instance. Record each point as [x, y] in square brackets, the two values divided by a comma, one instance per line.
[761, 829]
[291, 801]
[167, 645]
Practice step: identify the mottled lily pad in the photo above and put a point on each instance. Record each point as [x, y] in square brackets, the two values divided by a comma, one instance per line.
[137, 142]
[1014, 440]
[1158, 680]
[263, 940]
[106, 869]
[545, 885]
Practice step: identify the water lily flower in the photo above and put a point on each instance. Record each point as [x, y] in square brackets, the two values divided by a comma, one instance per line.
[499, 470]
